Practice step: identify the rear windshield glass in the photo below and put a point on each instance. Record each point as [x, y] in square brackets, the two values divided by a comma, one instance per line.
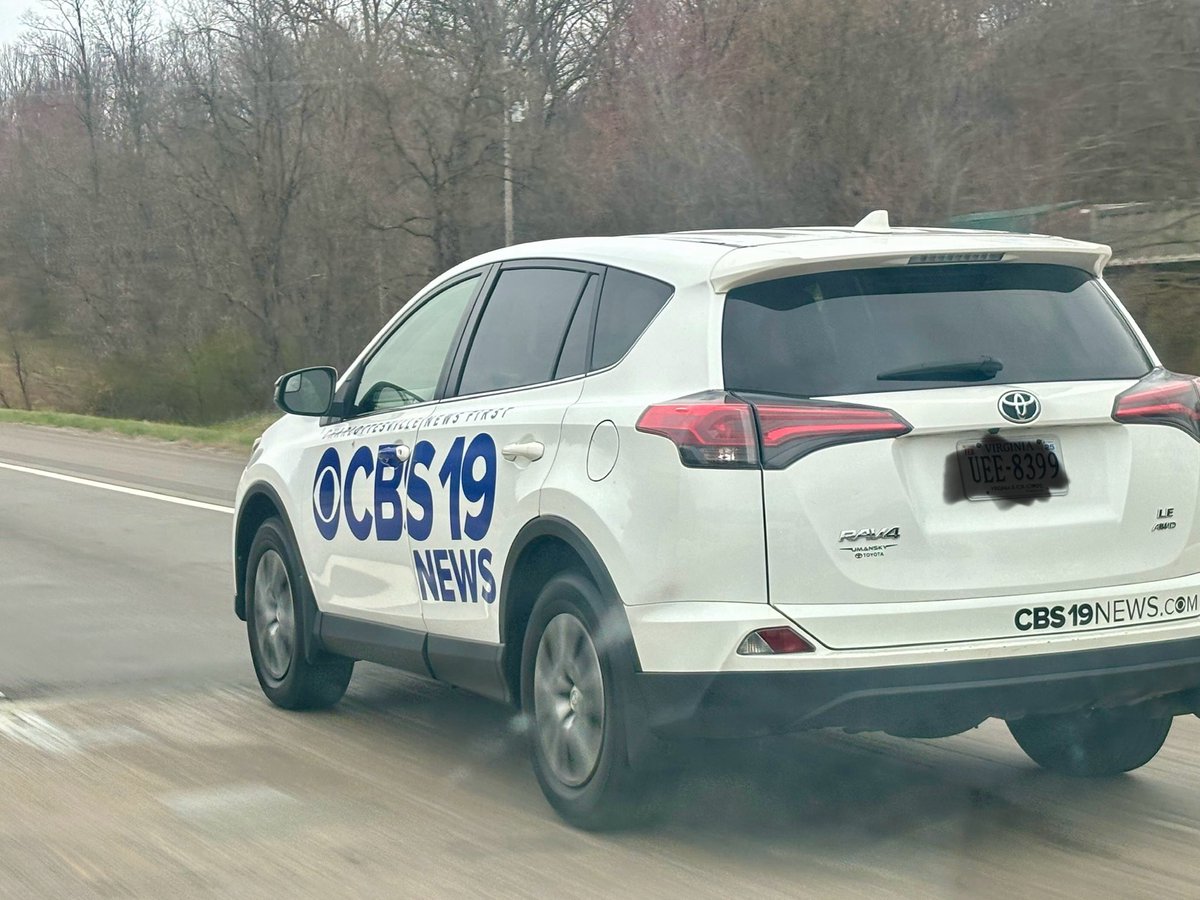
[912, 327]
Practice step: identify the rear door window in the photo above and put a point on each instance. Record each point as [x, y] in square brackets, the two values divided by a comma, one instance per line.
[913, 327]
[573, 360]
[519, 338]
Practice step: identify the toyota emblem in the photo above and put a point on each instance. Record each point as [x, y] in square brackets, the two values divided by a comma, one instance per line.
[1020, 406]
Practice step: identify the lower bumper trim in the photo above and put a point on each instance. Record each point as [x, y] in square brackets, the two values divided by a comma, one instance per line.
[931, 697]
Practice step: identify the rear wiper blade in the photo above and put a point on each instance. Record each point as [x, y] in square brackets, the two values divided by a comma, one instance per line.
[983, 369]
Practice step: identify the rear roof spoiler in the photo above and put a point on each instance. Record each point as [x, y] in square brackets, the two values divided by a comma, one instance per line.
[746, 265]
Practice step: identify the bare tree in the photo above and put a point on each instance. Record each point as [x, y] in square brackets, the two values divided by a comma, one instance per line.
[188, 206]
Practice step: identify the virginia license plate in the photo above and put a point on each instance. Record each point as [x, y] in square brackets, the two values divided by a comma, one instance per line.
[1005, 468]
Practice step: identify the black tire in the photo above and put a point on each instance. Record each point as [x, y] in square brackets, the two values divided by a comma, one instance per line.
[273, 621]
[614, 794]
[1094, 743]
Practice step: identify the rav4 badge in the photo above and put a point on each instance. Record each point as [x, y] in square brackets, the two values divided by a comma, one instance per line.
[871, 534]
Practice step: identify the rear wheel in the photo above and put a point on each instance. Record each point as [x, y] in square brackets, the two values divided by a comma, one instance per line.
[1092, 743]
[275, 587]
[572, 690]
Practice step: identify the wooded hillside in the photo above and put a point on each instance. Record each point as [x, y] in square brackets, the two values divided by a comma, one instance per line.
[192, 203]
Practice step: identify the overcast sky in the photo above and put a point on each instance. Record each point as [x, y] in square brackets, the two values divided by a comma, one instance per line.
[11, 12]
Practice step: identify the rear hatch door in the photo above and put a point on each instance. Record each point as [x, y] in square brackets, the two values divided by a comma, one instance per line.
[1012, 478]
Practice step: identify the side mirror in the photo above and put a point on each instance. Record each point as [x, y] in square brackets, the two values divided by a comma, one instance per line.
[306, 392]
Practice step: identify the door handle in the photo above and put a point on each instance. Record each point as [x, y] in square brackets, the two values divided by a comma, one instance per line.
[530, 450]
[394, 454]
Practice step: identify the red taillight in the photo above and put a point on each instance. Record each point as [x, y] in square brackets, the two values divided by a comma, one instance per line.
[795, 430]
[709, 430]
[724, 430]
[1162, 398]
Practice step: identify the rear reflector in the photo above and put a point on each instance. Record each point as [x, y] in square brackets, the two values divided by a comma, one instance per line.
[723, 430]
[1162, 398]
[772, 641]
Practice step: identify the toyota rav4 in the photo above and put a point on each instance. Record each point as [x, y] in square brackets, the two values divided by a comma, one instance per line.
[733, 483]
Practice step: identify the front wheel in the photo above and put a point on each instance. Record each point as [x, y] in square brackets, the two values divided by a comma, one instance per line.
[274, 588]
[572, 695]
[1092, 743]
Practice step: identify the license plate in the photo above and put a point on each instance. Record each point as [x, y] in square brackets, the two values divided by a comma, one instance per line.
[1006, 468]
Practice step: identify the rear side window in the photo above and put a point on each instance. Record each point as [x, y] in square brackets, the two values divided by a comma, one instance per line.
[627, 304]
[914, 327]
[520, 335]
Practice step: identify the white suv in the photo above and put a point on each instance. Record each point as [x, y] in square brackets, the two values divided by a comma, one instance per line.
[743, 482]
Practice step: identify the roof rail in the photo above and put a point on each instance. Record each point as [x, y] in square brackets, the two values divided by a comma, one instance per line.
[875, 222]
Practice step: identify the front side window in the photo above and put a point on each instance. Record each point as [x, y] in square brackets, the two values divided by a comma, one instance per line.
[520, 335]
[406, 367]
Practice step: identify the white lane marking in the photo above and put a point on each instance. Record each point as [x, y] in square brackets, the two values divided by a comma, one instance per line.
[118, 488]
[31, 729]
[28, 727]
[114, 736]
[234, 799]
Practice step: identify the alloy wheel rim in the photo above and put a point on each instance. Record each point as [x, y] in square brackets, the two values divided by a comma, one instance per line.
[274, 618]
[569, 700]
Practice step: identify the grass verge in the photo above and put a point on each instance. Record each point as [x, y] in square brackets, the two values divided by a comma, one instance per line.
[234, 434]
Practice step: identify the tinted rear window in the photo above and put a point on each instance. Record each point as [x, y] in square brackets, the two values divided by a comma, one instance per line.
[837, 332]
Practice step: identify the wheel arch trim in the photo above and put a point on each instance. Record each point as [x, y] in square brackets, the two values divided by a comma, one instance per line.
[550, 526]
[243, 540]
[556, 527]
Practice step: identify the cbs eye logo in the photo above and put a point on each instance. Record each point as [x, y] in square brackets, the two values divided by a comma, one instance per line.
[327, 494]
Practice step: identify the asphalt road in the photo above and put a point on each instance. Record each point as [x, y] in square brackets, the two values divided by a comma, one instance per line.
[137, 758]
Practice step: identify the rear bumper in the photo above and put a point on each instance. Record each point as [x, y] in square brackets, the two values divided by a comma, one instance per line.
[925, 699]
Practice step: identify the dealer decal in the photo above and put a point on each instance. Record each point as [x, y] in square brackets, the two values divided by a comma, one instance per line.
[412, 423]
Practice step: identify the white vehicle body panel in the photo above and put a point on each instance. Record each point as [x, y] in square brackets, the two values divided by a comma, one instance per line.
[506, 419]
[369, 577]
[701, 636]
[655, 523]
[1100, 533]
